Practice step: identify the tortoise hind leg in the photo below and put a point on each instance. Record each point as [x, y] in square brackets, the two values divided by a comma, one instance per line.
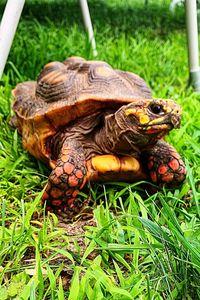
[165, 165]
[66, 179]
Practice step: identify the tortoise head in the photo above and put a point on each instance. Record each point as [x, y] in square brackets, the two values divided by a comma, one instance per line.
[149, 118]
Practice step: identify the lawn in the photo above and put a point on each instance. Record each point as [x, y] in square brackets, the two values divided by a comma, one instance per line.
[128, 244]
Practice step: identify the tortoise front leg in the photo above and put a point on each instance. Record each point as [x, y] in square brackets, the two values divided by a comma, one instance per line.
[66, 179]
[165, 165]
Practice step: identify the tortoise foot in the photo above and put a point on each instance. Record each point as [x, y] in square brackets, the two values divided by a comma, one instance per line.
[165, 165]
[66, 179]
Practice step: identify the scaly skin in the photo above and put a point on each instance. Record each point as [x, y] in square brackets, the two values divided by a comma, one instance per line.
[66, 179]
[165, 165]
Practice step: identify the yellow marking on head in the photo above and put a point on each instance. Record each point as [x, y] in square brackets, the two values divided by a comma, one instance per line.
[159, 127]
[156, 121]
[130, 111]
[144, 119]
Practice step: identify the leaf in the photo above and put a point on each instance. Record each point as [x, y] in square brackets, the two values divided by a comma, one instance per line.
[75, 286]
[89, 249]
[39, 274]
[63, 252]
[52, 280]
[122, 261]
[60, 291]
[120, 291]
[157, 232]
[29, 289]
[3, 293]
[138, 288]
[192, 183]
[119, 274]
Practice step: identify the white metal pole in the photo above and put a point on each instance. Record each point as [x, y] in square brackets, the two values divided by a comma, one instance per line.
[8, 27]
[175, 3]
[192, 37]
[88, 24]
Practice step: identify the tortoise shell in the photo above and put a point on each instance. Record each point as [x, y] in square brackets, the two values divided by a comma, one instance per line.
[69, 90]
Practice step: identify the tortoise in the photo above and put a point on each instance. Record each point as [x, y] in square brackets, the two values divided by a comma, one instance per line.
[90, 122]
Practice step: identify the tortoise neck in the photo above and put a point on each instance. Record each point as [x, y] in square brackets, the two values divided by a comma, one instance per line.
[104, 139]
[115, 138]
[82, 131]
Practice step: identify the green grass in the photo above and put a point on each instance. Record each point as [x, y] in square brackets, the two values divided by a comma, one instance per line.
[142, 247]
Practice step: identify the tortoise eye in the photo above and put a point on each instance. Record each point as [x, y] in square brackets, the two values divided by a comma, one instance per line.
[156, 109]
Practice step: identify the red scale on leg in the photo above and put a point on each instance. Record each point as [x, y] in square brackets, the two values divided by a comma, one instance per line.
[45, 195]
[168, 177]
[58, 171]
[153, 176]
[69, 168]
[174, 164]
[73, 181]
[75, 193]
[162, 169]
[56, 192]
[79, 174]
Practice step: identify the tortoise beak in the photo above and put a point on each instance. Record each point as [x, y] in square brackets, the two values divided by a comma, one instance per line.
[176, 121]
[176, 116]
